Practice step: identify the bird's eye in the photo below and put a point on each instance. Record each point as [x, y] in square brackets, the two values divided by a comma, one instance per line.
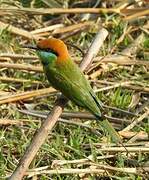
[51, 51]
[48, 50]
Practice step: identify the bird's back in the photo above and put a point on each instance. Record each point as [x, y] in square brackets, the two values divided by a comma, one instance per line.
[68, 78]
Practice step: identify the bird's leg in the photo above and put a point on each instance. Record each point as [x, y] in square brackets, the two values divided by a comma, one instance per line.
[61, 99]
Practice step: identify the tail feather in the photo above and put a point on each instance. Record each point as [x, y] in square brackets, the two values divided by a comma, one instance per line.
[105, 123]
[98, 102]
[98, 116]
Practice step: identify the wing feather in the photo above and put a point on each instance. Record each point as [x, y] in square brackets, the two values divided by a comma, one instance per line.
[73, 84]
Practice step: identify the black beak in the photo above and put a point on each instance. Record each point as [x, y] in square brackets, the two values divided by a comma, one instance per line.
[30, 46]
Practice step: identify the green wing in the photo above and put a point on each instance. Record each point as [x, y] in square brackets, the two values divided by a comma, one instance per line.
[68, 78]
[72, 83]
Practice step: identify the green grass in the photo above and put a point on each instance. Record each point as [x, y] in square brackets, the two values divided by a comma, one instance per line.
[67, 142]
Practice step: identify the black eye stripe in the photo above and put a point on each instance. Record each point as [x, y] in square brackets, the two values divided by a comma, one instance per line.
[48, 50]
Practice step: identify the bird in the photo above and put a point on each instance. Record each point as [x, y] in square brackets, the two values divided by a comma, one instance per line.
[65, 75]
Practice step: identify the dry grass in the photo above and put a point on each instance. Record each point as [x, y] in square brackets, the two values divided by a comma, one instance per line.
[77, 148]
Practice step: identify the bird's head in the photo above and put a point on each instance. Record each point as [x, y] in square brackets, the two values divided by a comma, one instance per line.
[51, 50]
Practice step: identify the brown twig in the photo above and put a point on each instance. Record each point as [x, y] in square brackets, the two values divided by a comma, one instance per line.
[16, 122]
[112, 86]
[121, 60]
[137, 15]
[72, 28]
[17, 56]
[66, 171]
[22, 67]
[18, 80]
[46, 29]
[129, 134]
[42, 11]
[123, 149]
[57, 163]
[18, 31]
[138, 120]
[51, 120]
[21, 122]
[80, 115]
[106, 145]
[72, 33]
[128, 11]
[98, 170]
[129, 86]
[93, 50]
[25, 95]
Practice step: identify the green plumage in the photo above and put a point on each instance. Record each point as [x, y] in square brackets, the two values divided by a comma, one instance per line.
[65, 75]
[68, 78]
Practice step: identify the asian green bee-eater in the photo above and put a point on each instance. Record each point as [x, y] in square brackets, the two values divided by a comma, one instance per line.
[64, 75]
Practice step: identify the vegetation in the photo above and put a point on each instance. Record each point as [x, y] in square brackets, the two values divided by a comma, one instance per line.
[78, 148]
